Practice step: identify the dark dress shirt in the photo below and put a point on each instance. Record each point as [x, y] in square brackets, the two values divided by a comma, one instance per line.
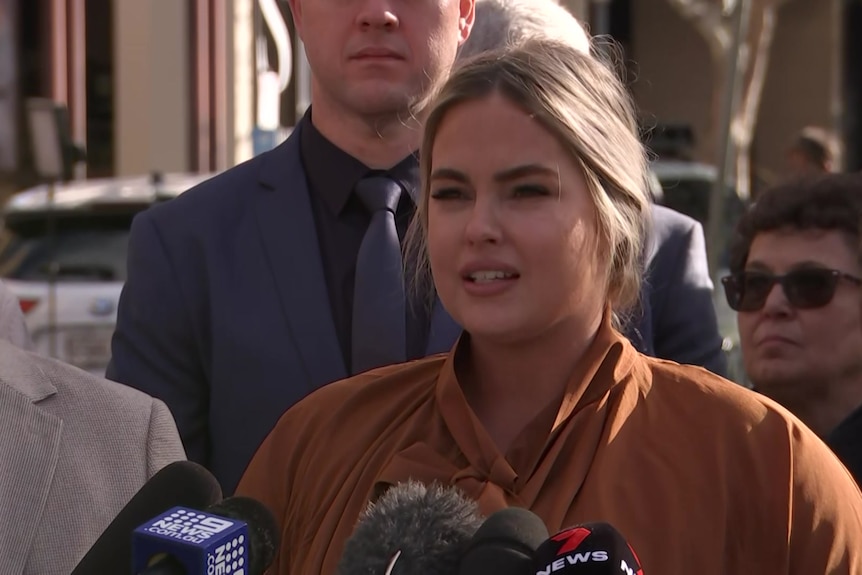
[341, 220]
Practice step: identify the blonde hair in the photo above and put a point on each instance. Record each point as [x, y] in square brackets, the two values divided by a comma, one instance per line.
[580, 100]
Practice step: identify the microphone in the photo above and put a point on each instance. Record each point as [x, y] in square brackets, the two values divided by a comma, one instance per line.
[412, 529]
[587, 549]
[505, 544]
[237, 536]
[180, 483]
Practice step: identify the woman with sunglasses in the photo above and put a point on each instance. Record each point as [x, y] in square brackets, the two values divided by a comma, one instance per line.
[796, 283]
[531, 227]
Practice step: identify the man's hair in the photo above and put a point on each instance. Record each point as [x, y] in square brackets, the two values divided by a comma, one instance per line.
[829, 202]
[503, 23]
[816, 145]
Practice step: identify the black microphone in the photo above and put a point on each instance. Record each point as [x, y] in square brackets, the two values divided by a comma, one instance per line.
[236, 536]
[263, 537]
[587, 549]
[180, 483]
[505, 544]
[412, 529]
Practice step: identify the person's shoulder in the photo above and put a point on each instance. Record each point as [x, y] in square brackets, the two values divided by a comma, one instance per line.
[226, 193]
[389, 385]
[667, 218]
[699, 396]
[221, 192]
[726, 426]
[670, 226]
[335, 428]
[69, 392]
[376, 393]
[697, 407]
[671, 234]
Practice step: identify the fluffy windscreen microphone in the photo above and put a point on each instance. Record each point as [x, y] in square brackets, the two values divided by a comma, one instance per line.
[412, 529]
[587, 549]
[180, 483]
[505, 544]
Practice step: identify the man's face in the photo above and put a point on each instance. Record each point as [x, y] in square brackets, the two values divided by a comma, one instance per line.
[789, 350]
[380, 58]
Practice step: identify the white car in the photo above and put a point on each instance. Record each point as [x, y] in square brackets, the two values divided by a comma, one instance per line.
[67, 264]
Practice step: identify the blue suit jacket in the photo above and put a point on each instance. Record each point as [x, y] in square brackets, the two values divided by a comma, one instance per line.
[225, 314]
[677, 318]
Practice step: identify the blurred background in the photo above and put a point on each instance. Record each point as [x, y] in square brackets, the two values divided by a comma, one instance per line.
[153, 96]
[175, 85]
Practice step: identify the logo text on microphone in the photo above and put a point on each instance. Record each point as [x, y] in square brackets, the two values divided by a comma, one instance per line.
[189, 525]
[573, 559]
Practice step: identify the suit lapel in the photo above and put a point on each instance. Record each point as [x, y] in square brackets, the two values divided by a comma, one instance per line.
[29, 450]
[444, 331]
[290, 241]
[291, 245]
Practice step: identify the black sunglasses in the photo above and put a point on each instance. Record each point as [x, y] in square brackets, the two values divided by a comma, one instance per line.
[804, 289]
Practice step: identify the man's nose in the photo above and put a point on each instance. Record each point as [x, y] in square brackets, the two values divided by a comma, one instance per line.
[377, 14]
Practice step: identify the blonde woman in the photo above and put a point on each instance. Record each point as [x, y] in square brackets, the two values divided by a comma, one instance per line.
[532, 219]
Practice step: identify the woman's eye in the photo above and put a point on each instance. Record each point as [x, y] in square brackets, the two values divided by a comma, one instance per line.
[446, 194]
[527, 191]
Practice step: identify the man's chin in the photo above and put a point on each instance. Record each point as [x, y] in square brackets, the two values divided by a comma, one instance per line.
[383, 100]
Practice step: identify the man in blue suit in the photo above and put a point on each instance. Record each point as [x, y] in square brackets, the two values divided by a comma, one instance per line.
[240, 293]
[676, 318]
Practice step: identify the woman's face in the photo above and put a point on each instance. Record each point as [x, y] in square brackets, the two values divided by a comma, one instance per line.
[792, 353]
[512, 232]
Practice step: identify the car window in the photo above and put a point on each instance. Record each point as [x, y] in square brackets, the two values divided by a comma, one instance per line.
[82, 247]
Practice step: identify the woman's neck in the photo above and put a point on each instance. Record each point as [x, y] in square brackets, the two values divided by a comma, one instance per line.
[507, 384]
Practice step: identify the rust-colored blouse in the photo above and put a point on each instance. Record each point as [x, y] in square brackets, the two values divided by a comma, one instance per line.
[700, 475]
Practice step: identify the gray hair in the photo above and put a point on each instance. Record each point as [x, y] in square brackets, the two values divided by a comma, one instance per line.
[502, 23]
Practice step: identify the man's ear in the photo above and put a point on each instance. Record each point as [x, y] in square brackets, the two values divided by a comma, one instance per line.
[466, 19]
[296, 12]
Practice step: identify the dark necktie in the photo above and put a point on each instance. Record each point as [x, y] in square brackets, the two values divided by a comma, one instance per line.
[379, 334]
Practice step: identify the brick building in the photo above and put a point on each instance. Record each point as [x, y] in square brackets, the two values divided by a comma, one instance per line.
[172, 85]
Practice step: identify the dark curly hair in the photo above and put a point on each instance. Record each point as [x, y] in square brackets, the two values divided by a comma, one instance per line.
[825, 202]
